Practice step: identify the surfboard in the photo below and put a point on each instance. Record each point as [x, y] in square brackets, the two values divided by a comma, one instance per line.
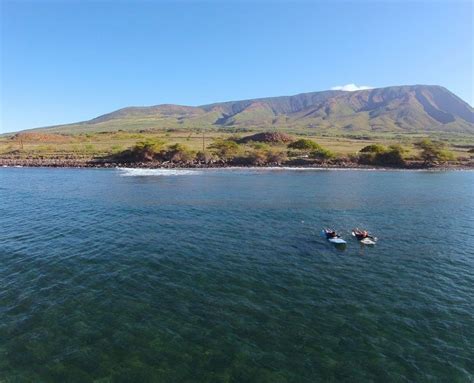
[367, 241]
[337, 241]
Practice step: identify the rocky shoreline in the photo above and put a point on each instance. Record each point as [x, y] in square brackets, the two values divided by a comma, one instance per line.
[96, 163]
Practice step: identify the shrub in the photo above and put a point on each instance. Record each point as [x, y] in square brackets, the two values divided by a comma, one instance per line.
[304, 145]
[178, 153]
[258, 157]
[204, 157]
[276, 156]
[399, 148]
[379, 155]
[373, 148]
[149, 144]
[251, 158]
[146, 150]
[392, 157]
[322, 154]
[225, 149]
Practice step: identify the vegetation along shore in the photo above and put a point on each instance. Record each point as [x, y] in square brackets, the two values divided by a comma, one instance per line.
[199, 149]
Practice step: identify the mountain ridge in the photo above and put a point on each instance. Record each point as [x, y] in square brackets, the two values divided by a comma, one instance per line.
[406, 108]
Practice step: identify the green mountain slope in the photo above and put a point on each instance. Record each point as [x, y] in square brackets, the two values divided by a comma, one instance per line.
[398, 109]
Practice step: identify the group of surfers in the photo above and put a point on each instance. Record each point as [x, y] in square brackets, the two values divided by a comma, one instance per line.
[358, 233]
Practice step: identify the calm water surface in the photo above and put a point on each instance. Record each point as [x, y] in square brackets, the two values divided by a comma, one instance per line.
[221, 276]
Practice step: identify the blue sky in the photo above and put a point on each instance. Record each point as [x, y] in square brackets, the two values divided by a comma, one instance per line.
[67, 61]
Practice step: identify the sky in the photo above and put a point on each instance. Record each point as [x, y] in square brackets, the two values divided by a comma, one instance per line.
[69, 61]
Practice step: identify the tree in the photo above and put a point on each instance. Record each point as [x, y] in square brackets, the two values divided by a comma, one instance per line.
[150, 144]
[322, 154]
[225, 149]
[391, 157]
[179, 153]
[380, 155]
[433, 151]
[304, 145]
[147, 150]
[373, 148]
[399, 148]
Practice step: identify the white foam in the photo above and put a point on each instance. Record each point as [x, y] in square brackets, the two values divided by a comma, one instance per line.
[258, 170]
[134, 172]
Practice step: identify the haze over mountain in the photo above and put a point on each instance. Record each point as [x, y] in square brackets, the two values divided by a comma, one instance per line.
[396, 109]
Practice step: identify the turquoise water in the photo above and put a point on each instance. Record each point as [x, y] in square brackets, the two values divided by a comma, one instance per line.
[221, 276]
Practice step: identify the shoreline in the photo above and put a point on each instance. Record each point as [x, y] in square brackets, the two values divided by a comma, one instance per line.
[95, 164]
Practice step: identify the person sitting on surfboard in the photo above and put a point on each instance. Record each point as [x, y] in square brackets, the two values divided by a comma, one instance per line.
[331, 233]
[361, 234]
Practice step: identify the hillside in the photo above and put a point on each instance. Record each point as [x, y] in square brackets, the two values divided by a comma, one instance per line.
[398, 109]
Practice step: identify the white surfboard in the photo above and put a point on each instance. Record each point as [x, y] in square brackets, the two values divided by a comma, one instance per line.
[367, 241]
[337, 241]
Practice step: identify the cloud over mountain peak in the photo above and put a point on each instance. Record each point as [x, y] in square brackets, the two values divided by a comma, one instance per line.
[351, 87]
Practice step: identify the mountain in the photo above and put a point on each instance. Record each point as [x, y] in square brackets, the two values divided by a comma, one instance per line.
[396, 109]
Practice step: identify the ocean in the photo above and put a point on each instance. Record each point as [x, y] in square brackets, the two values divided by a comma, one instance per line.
[221, 275]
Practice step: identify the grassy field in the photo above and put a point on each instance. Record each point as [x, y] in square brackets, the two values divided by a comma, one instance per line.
[93, 145]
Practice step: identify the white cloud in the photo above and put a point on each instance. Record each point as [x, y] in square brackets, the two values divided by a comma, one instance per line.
[351, 87]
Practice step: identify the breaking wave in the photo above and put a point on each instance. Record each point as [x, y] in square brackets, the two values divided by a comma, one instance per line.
[134, 172]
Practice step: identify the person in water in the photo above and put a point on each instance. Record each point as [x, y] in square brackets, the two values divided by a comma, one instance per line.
[361, 234]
